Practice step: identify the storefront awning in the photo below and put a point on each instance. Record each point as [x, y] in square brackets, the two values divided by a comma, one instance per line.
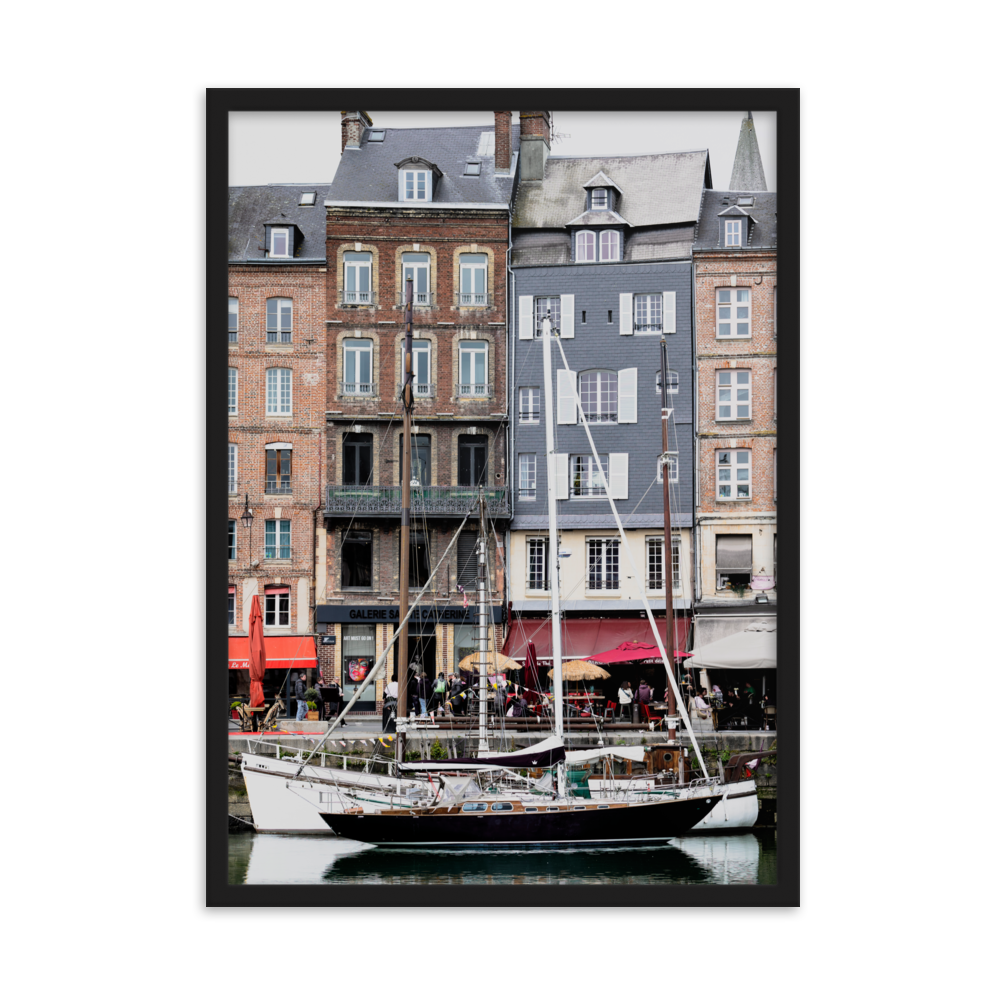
[283, 652]
[582, 637]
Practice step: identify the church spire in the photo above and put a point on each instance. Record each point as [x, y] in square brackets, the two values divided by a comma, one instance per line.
[748, 171]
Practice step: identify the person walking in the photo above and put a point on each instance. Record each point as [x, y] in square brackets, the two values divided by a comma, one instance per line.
[438, 693]
[389, 706]
[423, 693]
[300, 697]
[336, 698]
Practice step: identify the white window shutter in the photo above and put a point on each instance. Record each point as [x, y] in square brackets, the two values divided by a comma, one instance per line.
[669, 312]
[562, 475]
[525, 324]
[628, 390]
[566, 316]
[401, 192]
[566, 396]
[618, 468]
[625, 314]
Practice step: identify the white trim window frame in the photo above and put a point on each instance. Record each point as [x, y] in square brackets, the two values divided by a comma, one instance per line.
[279, 320]
[647, 313]
[278, 538]
[674, 474]
[234, 319]
[734, 232]
[673, 382]
[655, 580]
[280, 242]
[537, 565]
[552, 306]
[473, 368]
[610, 245]
[527, 477]
[358, 368]
[728, 326]
[585, 477]
[416, 185]
[233, 467]
[675, 562]
[421, 366]
[529, 404]
[278, 468]
[586, 247]
[599, 200]
[234, 391]
[472, 269]
[418, 267]
[603, 568]
[599, 396]
[733, 394]
[357, 277]
[278, 392]
[277, 607]
[733, 468]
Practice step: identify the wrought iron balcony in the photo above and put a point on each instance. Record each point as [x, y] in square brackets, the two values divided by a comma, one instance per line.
[425, 501]
[278, 484]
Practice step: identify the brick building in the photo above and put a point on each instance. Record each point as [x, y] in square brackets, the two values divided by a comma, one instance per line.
[431, 204]
[602, 245]
[277, 403]
[736, 310]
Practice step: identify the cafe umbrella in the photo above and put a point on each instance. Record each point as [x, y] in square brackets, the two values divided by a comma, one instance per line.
[258, 660]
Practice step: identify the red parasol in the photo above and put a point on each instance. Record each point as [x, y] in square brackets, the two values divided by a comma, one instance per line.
[630, 652]
[531, 686]
[257, 659]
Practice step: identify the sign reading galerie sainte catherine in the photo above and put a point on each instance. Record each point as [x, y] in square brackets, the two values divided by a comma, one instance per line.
[452, 613]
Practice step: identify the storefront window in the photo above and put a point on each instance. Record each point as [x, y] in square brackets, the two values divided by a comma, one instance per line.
[358, 660]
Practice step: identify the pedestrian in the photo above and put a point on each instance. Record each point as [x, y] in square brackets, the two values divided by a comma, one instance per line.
[389, 706]
[456, 695]
[336, 697]
[423, 693]
[300, 697]
[438, 692]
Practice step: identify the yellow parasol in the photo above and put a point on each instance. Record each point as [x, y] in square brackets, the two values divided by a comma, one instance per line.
[494, 662]
[581, 670]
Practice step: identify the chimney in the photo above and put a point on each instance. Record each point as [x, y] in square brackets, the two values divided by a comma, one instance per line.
[352, 124]
[536, 128]
[501, 129]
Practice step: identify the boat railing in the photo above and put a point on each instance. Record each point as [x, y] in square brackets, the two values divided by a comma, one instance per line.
[319, 758]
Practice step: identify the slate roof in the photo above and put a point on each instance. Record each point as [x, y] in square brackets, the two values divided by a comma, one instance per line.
[602, 217]
[763, 214]
[601, 180]
[251, 207]
[369, 174]
[656, 189]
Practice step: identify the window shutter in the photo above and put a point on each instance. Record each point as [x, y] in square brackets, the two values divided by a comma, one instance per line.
[525, 320]
[618, 474]
[566, 392]
[468, 563]
[625, 314]
[669, 312]
[628, 389]
[562, 475]
[566, 316]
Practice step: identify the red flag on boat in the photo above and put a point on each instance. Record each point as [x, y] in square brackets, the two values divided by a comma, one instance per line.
[258, 661]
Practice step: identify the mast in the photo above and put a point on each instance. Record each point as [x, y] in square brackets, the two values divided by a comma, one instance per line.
[550, 480]
[402, 702]
[484, 747]
[668, 546]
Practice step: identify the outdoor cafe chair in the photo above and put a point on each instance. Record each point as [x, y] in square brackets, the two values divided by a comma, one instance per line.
[610, 707]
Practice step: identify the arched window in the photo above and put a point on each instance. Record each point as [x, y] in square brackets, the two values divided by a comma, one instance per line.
[599, 396]
[610, 241]
[585, 246]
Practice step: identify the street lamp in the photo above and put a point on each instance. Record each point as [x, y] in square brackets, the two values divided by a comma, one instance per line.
[247, 518]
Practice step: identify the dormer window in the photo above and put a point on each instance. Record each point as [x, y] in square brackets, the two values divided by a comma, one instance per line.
[734, 232]
[586, 246]
[415, 185]
[610, 245]
[599, 199]
[279, 242]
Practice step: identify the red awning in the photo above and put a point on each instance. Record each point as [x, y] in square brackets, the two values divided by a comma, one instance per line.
[582, 637]
[284, 652]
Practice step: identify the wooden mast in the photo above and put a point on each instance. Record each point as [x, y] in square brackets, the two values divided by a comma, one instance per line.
[403, 642]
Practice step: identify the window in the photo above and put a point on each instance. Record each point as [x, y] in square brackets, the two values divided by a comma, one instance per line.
[726, 298]
[726, 384]
[420, 567]
[648, 313]
[551, 307]
[586, 246]
[232, 468]
[421, 366]
[774, 460]
[278, 539]
[585, 476]
[472, 267]
[502, 807]
[529, 407]
[733, 230]
[357, 277]
[232, 605]
[774, 308]
[468, 575]
[279, 392]
[672, 468]
[358, 368]
[610, 242]
[356, 560]
[733, 561]
[472, 357]
[599, 199]
[471, 459]
[675, 560]
[474, 807]
[416, 185]
[654, 564]
[276, 613]
[418, 267]
[376, 135]
[602, 564]
[538, 564]
[357, 459]
[278, 469]
[420, 458]
[279, 321]
[599, 396]
[526, 477]
[232, 538]
[775, 393]
[673, 382]
[234, 319]
[233, 386]
[279, 242]
[732, 468]
[472, 169]
[307, 198]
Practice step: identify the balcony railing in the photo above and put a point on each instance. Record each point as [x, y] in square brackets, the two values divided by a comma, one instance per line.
[602, 583]
[601, 418]
[479, 299]
[475, 390]
[357, 388]
[433, 501]
[420, 299]
[421, 390]
[587, 491]
[357, 298]
[278, 484]
[656, 327]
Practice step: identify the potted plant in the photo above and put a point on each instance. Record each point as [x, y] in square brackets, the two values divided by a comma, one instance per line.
[312, 704]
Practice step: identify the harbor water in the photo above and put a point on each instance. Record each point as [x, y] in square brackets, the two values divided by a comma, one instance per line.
[287, 859]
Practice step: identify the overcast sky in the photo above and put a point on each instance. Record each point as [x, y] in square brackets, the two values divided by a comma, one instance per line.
[273, 147]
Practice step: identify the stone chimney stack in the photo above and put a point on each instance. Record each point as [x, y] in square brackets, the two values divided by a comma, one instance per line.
[536, 141]
[352, 124]
[501, 144]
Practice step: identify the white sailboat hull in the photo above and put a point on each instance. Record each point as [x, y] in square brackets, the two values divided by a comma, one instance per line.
[737, 810]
